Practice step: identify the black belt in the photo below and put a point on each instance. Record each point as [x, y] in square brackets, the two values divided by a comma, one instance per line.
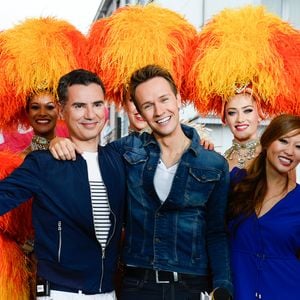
[160, 276]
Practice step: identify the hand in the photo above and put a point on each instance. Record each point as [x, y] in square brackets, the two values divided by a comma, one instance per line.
[63, 149]
[207, 144]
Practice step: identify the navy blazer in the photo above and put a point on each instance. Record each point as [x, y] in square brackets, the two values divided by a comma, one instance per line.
[66, 246]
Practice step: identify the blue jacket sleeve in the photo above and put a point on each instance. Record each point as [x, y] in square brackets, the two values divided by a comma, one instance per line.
[123, 144]
[20, 185]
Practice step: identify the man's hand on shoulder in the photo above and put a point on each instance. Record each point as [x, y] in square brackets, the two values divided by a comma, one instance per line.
[207, 145]
[63, 149]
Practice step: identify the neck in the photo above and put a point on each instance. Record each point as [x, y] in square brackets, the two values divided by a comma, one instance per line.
[171, 141]
[48, 136]
[86, 146]
[245, 143]
[277, 182]
[241, 154]
[132, 130]
[39, 143]
[172, 148]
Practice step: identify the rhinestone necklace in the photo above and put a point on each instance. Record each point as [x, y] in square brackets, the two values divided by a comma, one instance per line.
[244, 152]
[39, 143]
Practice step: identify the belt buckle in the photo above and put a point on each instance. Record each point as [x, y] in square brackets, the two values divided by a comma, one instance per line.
[175, 277]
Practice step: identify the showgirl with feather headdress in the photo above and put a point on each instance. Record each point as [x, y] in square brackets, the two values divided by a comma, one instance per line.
[245, 56]
[33, 56]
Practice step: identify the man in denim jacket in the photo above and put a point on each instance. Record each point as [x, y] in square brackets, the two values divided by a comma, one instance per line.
[177, 196]
[176, 245]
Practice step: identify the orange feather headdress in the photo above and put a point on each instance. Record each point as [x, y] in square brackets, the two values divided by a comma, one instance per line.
[15, 229]
[133, 37]
[241, 46]
[33, 56]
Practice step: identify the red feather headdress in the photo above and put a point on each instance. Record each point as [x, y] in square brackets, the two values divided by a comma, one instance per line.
[242, 46]
[33, 56]
[133, 37]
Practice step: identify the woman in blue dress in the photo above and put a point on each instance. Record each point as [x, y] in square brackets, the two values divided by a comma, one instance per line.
[264, 213]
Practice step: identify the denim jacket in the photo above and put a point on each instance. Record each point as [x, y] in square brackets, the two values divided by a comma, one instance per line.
[186, 233]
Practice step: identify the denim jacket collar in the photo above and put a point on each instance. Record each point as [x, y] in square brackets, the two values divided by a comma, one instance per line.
[190, 132]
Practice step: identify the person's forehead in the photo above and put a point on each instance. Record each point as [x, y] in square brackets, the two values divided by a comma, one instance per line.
[240, 101]
[92, 91]
[156, 85]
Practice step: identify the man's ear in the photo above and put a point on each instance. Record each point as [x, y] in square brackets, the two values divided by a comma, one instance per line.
[60, 111]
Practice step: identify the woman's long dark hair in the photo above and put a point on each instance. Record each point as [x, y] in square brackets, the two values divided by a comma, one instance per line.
[248, 195]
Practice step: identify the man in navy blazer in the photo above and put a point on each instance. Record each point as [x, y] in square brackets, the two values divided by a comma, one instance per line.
[77, 209]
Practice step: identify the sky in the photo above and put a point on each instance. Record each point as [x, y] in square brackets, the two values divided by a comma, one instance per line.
[78, 13]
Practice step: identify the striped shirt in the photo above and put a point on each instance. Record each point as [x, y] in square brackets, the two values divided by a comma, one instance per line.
[100, 204]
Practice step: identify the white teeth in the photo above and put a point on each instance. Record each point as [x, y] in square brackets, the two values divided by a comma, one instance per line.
[241, 126]
[43, 121]
[163, 120]
[285, 160]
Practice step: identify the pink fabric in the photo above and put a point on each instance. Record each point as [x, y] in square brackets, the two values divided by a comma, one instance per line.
[16, 141]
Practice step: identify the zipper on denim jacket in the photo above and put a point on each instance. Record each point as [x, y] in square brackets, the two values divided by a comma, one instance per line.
[59, 229]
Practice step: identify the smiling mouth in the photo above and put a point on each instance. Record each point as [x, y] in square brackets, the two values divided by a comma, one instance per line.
[43, 121]
[139, 118]
[93, 124]
[285, 161]
[164, 120]
[241, 127]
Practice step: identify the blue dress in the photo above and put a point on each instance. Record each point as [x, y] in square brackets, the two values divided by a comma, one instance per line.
[265, 252]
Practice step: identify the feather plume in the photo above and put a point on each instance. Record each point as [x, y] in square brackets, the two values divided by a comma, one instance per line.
[33, 56]
[14, 274]
[134, 37]
[16, 223]
[15, 229]
[240, 46]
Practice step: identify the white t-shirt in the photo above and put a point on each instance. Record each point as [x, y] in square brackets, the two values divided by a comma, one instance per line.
[163, 179]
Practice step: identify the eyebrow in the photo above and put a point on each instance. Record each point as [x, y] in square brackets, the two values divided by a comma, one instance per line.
[247, 106]
[84, 103]
[288, 136]
[165, 95]
[38, 103]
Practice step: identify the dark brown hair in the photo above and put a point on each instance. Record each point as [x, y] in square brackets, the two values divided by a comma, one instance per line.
[146, 73]
[78, 76]
[249, 194]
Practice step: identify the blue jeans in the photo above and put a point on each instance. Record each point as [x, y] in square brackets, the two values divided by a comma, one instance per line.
[188, 287]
